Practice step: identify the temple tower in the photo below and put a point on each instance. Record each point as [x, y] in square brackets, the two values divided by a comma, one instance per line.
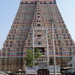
[38, 24]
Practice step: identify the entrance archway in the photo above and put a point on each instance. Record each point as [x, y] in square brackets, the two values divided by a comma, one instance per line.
[43, 72]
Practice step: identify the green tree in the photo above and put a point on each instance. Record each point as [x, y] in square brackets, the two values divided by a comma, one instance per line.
[37, 53]
[29, 56]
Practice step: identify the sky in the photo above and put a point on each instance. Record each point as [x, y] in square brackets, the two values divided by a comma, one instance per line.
[8, 10]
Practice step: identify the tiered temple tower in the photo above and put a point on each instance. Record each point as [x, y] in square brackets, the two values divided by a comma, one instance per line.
[38, 24]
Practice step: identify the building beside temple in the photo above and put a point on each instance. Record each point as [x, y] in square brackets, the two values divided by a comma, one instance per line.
[71, 64]
[37, 24]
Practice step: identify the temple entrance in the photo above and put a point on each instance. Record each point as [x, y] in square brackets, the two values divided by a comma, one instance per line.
[43, 72]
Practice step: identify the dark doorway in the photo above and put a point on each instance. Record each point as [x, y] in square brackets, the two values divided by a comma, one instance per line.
[51, 62]
[43, 72]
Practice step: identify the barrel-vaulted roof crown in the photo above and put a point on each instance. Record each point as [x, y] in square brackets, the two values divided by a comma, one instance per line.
[42, 1]
[37, 0]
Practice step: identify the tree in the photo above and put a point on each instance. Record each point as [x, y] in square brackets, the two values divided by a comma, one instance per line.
[29, 56]
[37, 53]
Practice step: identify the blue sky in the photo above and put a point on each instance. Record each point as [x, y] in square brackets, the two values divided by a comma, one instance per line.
[8, 9]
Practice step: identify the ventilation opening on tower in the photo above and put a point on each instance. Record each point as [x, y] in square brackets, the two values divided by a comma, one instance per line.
[38, 35]
[39, 43]
[50, 2]
[25, 2]
[21, 2]
[38, 20]
[44, 2]
[38, 13]
[38, 24]
[31, 2]
[40, 2]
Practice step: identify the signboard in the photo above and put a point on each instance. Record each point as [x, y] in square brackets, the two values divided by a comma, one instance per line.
[43, 65]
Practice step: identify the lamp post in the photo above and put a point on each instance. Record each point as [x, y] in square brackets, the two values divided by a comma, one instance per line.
[47, 48]
[53, 47]
[33, 48]
[12, 59]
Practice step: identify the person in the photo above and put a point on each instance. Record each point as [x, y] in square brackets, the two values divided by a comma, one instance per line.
[63, 74]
